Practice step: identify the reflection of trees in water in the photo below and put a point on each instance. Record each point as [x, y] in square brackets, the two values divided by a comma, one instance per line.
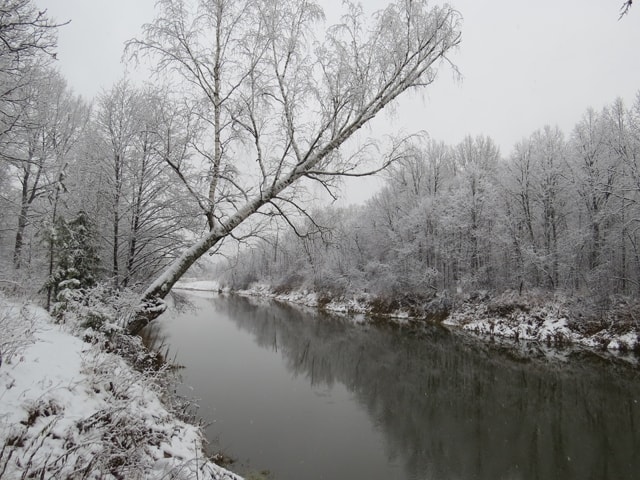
[454, 410]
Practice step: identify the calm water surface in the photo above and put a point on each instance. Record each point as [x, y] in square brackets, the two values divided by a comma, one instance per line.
[309, 396]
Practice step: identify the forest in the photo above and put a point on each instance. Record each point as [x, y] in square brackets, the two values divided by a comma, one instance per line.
[557, 213]
[128, 192]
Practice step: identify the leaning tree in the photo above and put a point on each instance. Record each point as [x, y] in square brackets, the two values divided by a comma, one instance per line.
[274, 95]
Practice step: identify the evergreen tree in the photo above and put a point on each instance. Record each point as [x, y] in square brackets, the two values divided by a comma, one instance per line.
[75, 256]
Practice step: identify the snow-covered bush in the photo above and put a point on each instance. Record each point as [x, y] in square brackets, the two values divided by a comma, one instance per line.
[101, 307]
[15, 334]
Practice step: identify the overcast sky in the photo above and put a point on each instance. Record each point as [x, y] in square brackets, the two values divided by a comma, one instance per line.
[524, 63]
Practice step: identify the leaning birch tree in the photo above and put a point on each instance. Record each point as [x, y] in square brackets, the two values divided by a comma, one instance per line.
[276, 95]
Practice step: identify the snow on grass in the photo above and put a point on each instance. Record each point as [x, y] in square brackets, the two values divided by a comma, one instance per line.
[356, 305]
[198, 285]
[69, 409]
[549, 322]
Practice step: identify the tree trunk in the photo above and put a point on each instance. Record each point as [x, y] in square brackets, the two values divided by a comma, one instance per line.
[116, 217]
[152, 305]
[50, 287]
[22, 224]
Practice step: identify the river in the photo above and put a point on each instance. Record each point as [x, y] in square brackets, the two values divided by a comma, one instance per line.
[304, 395]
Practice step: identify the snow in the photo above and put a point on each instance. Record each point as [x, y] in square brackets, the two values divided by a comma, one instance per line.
[69, 409]
[353, 305]
[197, 285]
[546, 323]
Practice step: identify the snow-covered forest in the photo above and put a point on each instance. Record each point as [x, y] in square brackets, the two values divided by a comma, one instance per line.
[114, 190]
[232, 155]
[560, 211]
[132, 189]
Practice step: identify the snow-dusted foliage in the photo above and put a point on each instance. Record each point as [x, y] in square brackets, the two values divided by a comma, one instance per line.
[554, 320]
[16, 335]
[101, 307]
[559, 215]
[73, 255]
[70, 409]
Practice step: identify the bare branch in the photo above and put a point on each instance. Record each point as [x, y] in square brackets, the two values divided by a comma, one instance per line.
[624, 9]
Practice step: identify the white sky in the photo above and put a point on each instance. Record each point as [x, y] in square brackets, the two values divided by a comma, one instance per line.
[524, 63]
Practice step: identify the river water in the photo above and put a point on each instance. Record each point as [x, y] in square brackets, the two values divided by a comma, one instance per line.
[305, 395]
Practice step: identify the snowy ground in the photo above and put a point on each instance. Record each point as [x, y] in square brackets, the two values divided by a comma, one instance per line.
[357, 305]
[198, 285]
[547, 322]
[551, 322]
[69, 409]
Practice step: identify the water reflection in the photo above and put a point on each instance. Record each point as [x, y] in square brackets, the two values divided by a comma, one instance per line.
[447, 409]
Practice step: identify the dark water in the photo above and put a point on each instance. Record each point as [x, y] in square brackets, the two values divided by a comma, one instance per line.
[308, 396]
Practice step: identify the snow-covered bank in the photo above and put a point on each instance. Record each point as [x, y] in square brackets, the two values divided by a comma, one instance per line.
[69, 409]
[553, 321]
[361, 304]
[197, 285]
[548, 321]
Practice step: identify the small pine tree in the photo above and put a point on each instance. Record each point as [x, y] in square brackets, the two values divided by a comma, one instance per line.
[75, 256]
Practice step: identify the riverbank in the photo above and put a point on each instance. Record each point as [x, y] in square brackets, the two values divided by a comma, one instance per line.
[72, 407]
[556, 321]
[550, 321]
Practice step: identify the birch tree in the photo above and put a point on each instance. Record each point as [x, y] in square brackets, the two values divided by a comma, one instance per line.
[278, 104]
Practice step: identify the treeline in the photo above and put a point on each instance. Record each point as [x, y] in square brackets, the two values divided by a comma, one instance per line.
[88, 191]
[84, 181]
[561, 212]
[110, 191]
[145, 180]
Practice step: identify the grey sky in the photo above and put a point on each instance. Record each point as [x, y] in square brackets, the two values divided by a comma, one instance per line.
[524, 64]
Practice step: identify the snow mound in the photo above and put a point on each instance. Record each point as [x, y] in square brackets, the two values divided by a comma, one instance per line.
[356, 305]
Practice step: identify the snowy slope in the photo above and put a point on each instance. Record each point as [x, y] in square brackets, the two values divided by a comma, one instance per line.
[70, 410]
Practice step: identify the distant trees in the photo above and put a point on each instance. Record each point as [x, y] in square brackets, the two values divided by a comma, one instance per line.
[27, 45]
[136, 138]
[475, 165]
[61, 162]
[560, 213]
